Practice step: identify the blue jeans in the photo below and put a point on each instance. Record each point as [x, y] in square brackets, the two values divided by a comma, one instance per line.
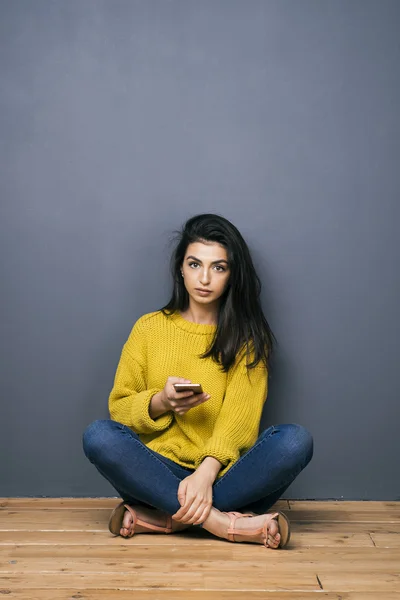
[141, 476]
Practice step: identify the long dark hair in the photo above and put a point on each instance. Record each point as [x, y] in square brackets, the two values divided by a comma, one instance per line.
[241, 324]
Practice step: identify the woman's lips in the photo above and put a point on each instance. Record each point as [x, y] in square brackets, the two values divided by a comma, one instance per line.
[203, 292]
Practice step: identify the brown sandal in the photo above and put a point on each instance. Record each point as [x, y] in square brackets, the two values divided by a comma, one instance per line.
[283, 525]
[117, 517]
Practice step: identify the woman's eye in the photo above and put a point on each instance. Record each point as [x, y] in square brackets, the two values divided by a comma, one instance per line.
[217, 267]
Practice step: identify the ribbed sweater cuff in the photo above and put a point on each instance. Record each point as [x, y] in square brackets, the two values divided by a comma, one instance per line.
[220, 448]
[142, 422]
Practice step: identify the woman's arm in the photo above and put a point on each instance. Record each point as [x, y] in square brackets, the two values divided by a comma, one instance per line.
[235, 431]
[130, 400]
[195, 492]
[132, 403]
[237, 426]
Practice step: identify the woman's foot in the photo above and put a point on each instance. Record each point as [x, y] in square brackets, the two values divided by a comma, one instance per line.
[257, 522]
[151, 516]
[219, 523]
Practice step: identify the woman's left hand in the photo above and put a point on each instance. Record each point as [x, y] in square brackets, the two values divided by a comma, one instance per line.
[195, 498]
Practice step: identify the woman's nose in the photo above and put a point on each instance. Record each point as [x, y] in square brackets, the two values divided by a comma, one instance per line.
[204, 277]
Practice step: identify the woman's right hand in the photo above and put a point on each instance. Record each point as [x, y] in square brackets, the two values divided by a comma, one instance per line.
[180, 402]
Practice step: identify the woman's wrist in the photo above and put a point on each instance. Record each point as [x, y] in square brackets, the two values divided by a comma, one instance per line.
[157, 406]
[210, 467]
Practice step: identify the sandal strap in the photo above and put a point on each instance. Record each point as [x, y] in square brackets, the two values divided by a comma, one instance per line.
[150, 526]
[166, 529]
[231, 531]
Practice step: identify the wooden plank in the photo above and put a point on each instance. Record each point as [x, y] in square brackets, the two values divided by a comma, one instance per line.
[153, 594]
[299, 509]
[188, 580]
[360, 580]
[91, 557]
[357, 581]
[284, 580]
[85, 594]
[103, 537]
[170, 569]
[386, 540]
[340, 527]
[151, 552]
[91, 519]
[346, 505]
[345, 511]
[59, 503]
[300, 539]
[255, 565]
[217, 551]
[97, 520]
[80, 503]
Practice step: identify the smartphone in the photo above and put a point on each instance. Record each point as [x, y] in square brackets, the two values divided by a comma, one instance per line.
[188, 387]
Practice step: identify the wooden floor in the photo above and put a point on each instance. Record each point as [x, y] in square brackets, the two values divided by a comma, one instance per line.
[59, 549]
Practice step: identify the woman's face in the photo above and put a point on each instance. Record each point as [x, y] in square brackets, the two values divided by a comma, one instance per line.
[205, 266]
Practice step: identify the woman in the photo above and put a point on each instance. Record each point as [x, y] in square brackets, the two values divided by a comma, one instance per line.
[179, 458]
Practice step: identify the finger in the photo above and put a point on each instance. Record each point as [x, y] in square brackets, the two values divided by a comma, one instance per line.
[182, 500]
[182, 493]
[204, 516]
[197, 515]
[191, 512]
[193, 402]
[200, 397]
[190, 500]
[183, 409]
[182, 395]
[180, 514]
[199, 400]
[185, 503]
[177, 402]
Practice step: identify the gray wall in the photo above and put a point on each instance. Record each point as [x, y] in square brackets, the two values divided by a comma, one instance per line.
[119, 120]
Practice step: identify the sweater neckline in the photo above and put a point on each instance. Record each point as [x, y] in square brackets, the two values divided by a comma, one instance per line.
[189, 326]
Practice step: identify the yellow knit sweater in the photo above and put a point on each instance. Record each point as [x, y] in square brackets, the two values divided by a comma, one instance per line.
[225, 426]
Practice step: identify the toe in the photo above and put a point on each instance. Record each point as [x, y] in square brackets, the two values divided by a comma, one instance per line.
[273, 528]
[126, 524]
[272, 543]
[273, 534]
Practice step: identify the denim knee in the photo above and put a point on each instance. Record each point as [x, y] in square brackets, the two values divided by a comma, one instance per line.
[299, 442]
[97, 436]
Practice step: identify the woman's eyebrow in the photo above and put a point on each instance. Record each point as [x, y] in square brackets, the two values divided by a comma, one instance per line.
[213, 263]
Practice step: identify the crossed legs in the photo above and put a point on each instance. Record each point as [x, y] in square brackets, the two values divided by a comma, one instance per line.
[144, 477]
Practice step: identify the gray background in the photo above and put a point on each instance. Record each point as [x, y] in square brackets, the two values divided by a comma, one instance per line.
[121, 119]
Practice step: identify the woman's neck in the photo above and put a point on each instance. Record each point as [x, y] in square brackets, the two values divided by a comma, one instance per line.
[201, 315]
